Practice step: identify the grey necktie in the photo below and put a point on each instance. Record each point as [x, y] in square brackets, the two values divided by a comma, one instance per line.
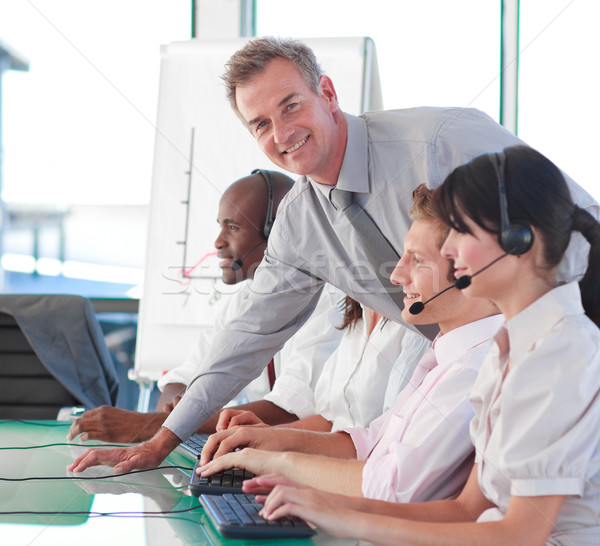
[381, 254]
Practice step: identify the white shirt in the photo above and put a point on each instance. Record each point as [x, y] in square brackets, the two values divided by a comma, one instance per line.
[353, 386]
[388, 154]
[297, 366]
[537, 426]
[420, 449]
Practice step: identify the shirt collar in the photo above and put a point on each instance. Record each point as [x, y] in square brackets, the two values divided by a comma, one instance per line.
[354, 174]
[536, 320]
[452, 345]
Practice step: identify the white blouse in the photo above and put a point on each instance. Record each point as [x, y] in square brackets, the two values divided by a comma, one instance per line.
[359, 376]
[536, 428]
[297, 366]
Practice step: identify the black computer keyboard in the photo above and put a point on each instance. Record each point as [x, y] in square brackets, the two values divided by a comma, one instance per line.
[228, 481]
[195, 443]
[236, 516]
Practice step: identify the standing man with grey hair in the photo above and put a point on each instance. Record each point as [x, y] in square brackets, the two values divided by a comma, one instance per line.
[355, 171]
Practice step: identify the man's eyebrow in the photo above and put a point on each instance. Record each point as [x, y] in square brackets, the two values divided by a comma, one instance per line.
[281, 103]
[227, 221]
[285, 99]
[252, 121]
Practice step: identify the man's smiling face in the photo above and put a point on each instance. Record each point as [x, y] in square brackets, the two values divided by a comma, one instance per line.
[295, 128]
[423, 272]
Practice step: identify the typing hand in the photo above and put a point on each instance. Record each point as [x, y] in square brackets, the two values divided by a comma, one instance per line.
[317, 507]
[265, 438]
[254, 460]
[116, 425]
[232, 417]
[263, 485]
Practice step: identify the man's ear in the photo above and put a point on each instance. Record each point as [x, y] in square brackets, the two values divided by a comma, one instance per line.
[328, 92]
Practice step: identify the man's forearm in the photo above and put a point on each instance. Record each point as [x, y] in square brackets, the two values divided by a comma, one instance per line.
[316, 423]
[266, 411]
[164, 442]
[328, 444]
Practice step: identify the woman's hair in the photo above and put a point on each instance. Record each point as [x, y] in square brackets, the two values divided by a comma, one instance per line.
[537, 194]
[352, 312]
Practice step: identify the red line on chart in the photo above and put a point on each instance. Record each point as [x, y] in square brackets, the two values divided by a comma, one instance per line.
[188, 272]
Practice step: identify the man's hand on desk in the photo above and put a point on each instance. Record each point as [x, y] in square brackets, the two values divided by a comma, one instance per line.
[124, 459]
[116, 425]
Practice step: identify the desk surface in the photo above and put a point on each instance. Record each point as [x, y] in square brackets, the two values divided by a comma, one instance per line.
[155, 491]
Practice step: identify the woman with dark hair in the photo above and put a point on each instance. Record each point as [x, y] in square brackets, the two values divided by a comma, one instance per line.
[536, 430]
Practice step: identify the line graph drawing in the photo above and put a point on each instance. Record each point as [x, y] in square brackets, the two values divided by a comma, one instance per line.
[186, 202]
[189, 273]
[180, 263]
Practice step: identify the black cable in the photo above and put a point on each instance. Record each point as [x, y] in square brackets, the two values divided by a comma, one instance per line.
[94, 477]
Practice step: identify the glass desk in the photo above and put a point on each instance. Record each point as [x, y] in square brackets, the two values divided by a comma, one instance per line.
[154, 491]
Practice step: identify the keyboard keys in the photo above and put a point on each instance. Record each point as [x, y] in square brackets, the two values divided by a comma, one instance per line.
[236, 516]
[195, 443]
[228, 481]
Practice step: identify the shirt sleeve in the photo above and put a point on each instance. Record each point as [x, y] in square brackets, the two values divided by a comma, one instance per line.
[364, 438]
[433, 458]
[281, 298]
[304, 355]
[548, 429]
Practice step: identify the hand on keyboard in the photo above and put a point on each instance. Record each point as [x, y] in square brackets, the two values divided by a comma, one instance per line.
[264, 438]
[335, 514]
[228, 481]
[237, 516]
[263, 485]
[252, 460]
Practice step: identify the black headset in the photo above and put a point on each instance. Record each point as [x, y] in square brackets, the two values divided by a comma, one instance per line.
[268, 225]
[515, 237]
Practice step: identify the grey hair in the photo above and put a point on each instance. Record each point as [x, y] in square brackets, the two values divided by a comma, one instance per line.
[253, 58]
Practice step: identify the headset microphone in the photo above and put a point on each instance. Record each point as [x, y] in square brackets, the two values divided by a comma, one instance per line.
[237, 264]
[418, 306]
[461, 283]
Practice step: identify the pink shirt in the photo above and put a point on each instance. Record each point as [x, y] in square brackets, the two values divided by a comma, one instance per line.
[420, 449]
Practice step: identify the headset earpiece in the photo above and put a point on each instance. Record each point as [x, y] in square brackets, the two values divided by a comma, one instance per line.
[515, 237]
[269, 219]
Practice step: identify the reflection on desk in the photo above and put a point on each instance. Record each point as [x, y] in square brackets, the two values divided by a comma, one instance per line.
[154, 491]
